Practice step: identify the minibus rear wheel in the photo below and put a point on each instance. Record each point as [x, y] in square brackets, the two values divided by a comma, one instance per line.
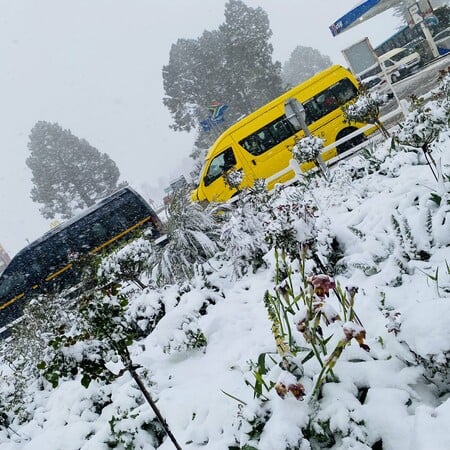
[352, 142]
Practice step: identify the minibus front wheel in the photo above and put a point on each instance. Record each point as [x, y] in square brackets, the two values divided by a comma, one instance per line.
[352, 142]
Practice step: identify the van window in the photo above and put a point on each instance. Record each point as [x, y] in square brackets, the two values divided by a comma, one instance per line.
[403, 54]
[329, 100]
[220, 164]
[280, 129]
[269, 136]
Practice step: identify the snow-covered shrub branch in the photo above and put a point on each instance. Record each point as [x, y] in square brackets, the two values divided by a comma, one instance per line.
[365, 108]
[243, 234]
[95, 347]
[126, 263]
[193, 237]
[309, 149]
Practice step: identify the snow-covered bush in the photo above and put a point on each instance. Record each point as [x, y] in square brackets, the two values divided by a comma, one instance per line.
[313, 322]
[425, 123]
[242, 234]
[126, 263]
[308, 149]
[95, 348]
[426, 337]
[233, 178]
[365, 108]
[193, 237]
[132, 425]
[291, 226]
[25, 349]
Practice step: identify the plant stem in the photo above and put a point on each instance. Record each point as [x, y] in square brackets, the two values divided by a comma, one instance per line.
[152, 404]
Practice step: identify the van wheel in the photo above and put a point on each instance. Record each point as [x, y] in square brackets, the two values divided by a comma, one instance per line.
[352, 142]
[394, 78]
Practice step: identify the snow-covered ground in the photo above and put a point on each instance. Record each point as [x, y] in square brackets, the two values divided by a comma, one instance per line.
[382, 225]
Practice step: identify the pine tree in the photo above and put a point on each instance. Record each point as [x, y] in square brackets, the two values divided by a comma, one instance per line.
[303, 63]
[192, 79]
[251, 77]
[232, 65]
[68, 174]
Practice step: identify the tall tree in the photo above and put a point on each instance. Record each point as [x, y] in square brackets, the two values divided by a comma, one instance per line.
[68, 173]
[232, 65]
[303, 63]
[192, 79]
[251, 77]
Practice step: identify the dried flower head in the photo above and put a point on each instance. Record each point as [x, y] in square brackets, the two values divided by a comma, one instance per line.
[297, 390]
[301, 325]
[357, 332]
[352, 290]
[322, 284]
[288, 383]
[281, 389]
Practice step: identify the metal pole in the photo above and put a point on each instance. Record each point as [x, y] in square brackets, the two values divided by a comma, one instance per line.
[297, 111]
[429, 38]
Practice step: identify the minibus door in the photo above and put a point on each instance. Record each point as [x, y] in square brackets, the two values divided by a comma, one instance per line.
[213, 183]
[267, 153]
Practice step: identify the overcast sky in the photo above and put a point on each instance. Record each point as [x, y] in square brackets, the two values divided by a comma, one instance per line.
[94, 66]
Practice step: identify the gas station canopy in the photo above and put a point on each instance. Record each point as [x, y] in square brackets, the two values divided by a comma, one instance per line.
[364, 10]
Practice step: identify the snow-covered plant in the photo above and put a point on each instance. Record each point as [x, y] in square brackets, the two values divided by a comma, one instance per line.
[4, 415]
[130, 425]
[20, 354]
[193, 237]
[409, 247]
[187, 338]
[300, 310]
[313, 322]
[243, 236]
[308, 149]
[252, 421]
[233, 178]
[373, 157]
[98, 341]
[365, 108]
[422, 127]
[127, 263]
[429, 346]
[442, 93]
[290, 225]
[257, 196]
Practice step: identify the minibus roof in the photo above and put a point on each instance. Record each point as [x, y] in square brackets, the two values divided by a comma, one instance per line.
[276, 101]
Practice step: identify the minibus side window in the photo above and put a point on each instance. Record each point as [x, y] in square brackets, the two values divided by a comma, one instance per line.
[267, 137]
[329, 100]
[344, 91]
[219, 165]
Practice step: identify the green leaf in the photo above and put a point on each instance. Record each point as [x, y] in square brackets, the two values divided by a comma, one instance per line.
[308, 357]
[262, 363]
[41, 365]
[86, 380]
[436, 198]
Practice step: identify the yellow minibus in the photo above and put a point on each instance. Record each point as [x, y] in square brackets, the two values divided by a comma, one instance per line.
[260, 144]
